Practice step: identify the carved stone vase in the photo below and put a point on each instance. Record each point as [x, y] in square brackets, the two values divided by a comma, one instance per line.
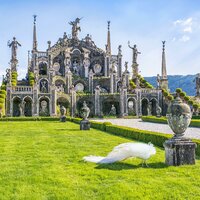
[85, 111]
[179, 150]
[178, 117]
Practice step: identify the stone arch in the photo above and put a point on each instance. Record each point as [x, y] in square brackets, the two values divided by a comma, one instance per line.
[131, 103]
[15, 105]
[42, 68]
[44, 85]
[60, 85]
[107, 105]
[28, 106]
[145, 103]
[44, 106]
[119, 84]
[154, 103]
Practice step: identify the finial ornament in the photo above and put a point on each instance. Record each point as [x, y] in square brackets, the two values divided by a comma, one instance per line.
[163, 42]
[34, 17]
[108, 25]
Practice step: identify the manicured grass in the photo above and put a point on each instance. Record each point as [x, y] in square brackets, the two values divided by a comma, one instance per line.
[43, 160]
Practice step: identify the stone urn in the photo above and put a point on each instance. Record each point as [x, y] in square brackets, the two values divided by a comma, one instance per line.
[85, 111]
[179, 150]
[178, 116]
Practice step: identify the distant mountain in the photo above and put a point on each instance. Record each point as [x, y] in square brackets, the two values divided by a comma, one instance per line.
[187, 83]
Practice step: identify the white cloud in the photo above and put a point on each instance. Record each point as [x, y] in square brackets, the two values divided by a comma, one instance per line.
[184, 38]
[187, 29]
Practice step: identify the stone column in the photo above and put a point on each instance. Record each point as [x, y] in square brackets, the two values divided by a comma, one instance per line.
[53, 101]
[73, 101]
[119, 61]
[68, 76]
[9, 101]
[121, 103]
[97, 101]
[125, 102]
[86, 62]
[35, 104]
[91, 75]
[107, 66]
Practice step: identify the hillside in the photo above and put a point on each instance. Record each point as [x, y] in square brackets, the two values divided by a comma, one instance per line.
[186, 82]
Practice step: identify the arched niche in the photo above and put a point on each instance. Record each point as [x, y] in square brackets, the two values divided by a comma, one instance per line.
[44, 106]
[43, 68]
[16, 106]
[131, 106]
[28, 106]
[145, 103]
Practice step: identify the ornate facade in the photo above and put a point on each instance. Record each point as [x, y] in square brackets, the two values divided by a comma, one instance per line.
[75, 70]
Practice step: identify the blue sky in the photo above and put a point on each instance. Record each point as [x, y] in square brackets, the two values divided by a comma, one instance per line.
[143, 22]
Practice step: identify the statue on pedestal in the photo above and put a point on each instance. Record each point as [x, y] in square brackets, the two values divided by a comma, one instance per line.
[75, 28]
[14, 44]
[21, 108]
[135, 52]
[85, 111]
[113, 110]
[62, 114]
[158, 110]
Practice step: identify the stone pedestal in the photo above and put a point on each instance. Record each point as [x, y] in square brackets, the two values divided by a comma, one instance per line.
[63, 119]
[179, 151]
[85, 124]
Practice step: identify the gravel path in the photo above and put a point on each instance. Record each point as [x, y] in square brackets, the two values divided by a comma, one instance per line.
[161, 128]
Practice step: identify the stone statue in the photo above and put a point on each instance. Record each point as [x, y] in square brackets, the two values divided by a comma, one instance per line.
[85, 111]
[21, 108]
[44, 109]
[13, 45]
[158, 81]
[149, 108]
[158, 110]
[62, 110]
[62, 114]
[120, 49]
[113, 110]
[126, 66]
[75, 28]
[135, 52]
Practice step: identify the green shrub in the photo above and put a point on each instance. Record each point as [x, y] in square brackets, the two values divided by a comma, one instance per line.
[170, 97]
[163, 120]
[3, 92]
[182, 94]
[195, 105]
[1, 105]
[2, 96]
[165, 93]
[186, 98]
[178, 90]
[3, 87]
[2, 100]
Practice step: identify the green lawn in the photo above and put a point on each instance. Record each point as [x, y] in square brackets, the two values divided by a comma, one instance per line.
[43, 160]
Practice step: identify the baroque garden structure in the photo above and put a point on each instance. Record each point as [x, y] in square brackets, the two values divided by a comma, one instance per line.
[75, 70]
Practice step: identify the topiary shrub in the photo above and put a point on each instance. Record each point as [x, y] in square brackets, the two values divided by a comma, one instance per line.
[2, 100]
[178, 90]
[165, 93]
[170, 97]
[3, 92]
[1, 105]
[182, 94]
[186, 98]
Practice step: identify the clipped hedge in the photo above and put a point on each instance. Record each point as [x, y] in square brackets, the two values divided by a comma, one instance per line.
[30, 119]
[163, 120]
